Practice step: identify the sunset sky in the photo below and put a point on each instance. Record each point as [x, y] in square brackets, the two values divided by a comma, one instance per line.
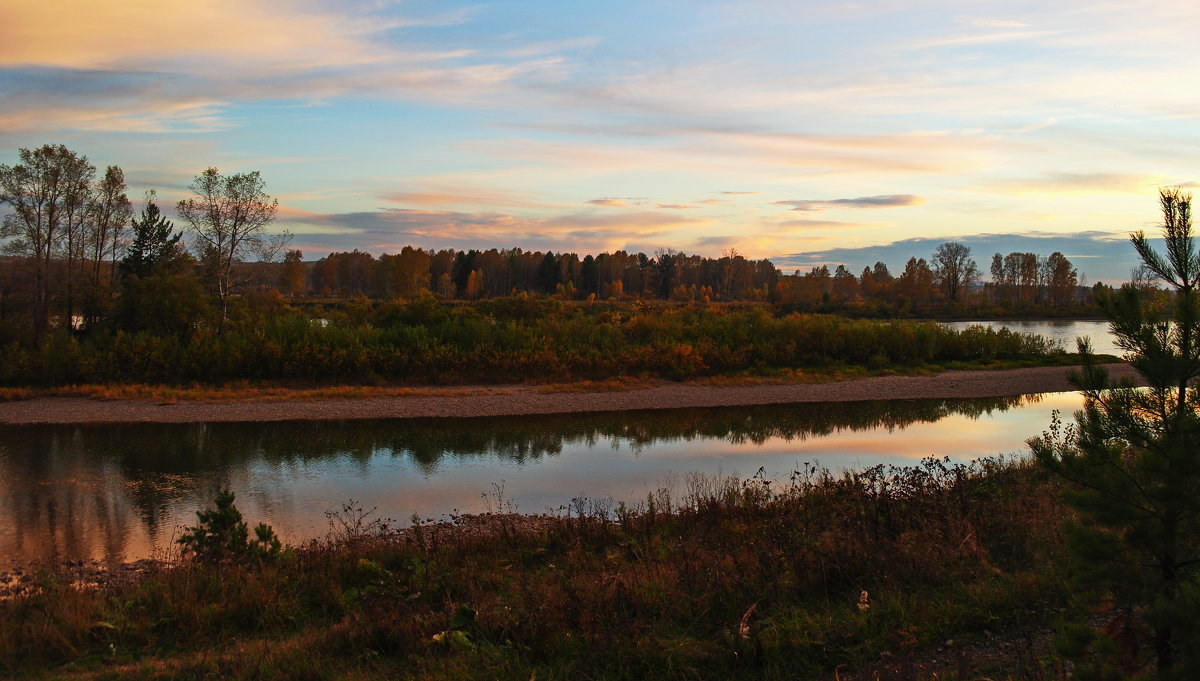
[804, 132]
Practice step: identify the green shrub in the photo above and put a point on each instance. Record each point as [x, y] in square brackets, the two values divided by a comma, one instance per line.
[222, 536]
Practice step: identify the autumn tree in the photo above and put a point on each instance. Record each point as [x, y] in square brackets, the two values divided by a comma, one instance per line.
[228, 217]
[735, 274]
[1027, 272]
[1060, 279]
[294, 274]
[845, 285]
[355, 271]
[953, 269]
[404, 275]
[916, 283]
[495, 275]
[1131, 460]
[414, 265]
[109, 212]
[1001, 283]
[53, 200]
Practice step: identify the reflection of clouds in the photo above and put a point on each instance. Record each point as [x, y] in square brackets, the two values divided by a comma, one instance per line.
[122, 492]
[1063, 333]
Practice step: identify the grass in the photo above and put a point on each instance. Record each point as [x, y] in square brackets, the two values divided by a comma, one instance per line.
[238, 391]
[247, 391]
[615, 384]
[725, 579]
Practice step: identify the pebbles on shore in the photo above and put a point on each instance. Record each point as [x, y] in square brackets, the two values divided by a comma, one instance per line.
[531, 399]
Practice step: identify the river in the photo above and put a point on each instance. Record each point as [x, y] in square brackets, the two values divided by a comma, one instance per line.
[122, 492]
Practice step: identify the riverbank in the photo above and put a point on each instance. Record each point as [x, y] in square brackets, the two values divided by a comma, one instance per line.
[915, 573]
[515, 400]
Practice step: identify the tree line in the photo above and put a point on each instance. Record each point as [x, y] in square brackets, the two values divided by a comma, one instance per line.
[81, 260]
[474, 274]
[1022, 282]
[67, 225]
[950, 281]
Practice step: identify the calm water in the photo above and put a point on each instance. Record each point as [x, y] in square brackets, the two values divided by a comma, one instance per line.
[1061, 331]
[123, 492]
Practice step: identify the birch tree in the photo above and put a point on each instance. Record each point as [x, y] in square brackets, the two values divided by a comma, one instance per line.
[228, 217]
[47, 192]
[954, 269]
[108, 215]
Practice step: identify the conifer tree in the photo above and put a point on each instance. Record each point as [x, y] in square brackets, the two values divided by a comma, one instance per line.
[155, 243]
[1132, 461]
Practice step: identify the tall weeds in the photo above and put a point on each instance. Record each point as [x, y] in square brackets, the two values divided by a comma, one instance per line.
[719, 578]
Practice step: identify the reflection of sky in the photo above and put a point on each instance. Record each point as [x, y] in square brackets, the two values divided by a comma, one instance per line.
[1062, 332]
[57, 503]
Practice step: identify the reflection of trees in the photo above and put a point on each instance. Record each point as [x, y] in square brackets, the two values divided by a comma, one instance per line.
[68, 490]
[55, 504]
[521, 439]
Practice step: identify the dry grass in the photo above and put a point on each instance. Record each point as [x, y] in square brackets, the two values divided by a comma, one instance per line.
[238, 392]
[721, 579]
[246, 392]
[616, 384]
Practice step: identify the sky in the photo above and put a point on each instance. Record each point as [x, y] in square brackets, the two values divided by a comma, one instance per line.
[804, 132]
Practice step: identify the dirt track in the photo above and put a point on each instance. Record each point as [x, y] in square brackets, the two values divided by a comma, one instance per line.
[525, 399]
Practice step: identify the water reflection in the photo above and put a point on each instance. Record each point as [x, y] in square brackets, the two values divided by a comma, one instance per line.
[121, 492]
[1060, 331]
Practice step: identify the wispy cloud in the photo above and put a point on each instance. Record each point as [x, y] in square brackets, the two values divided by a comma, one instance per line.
[554, 46]
[619, 202]
[883, 201]
[392, 229]
[985, 38]
[791, 225]
[482, 124]
[137, 58]
[757, 153]
[997, 23]
[1101, 256]
[462, 195]
[78, 34]
[1079, 183]
[716, 241]
[145, 116]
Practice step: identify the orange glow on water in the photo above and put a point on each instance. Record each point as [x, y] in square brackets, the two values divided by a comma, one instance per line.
[121, 493]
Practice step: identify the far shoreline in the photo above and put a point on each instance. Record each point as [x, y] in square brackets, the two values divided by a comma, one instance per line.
[527, 400]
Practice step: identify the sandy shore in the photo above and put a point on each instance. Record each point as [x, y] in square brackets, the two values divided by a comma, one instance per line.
[524, 399]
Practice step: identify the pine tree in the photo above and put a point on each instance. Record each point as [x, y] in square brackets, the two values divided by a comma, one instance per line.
[1132, 462]
[222, 536]
[155, 246]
